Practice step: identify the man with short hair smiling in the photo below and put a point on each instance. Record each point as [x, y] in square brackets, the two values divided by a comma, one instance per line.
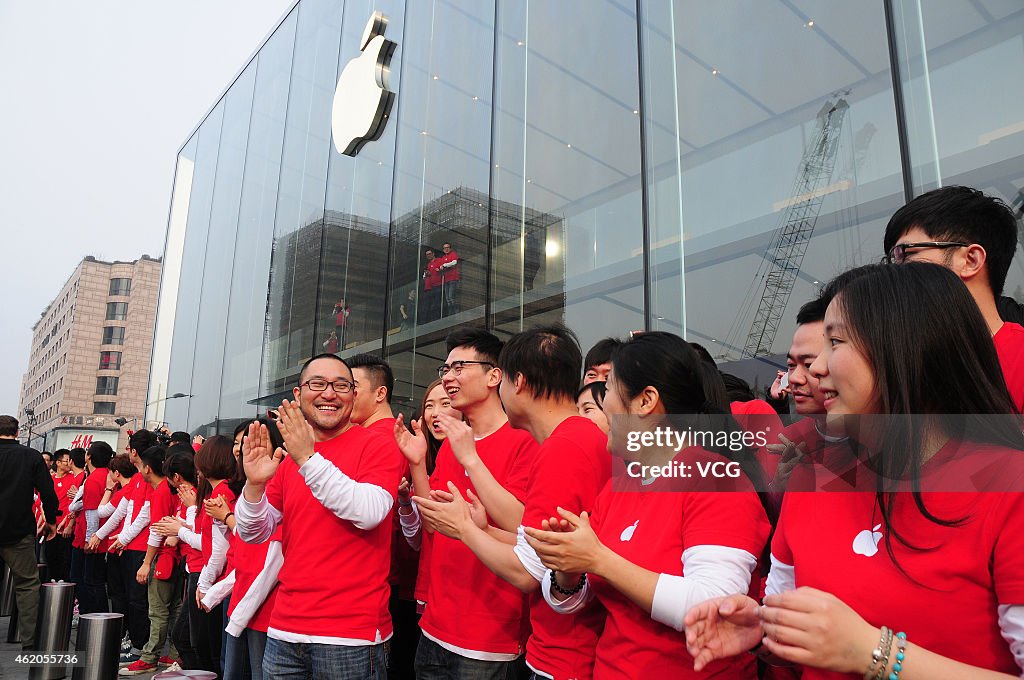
[975, 236]
[598, 362]
[58, 551]
[332, 492]
[450, 279]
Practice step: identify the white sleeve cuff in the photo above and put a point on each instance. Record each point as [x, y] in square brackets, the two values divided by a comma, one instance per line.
[569, 605]
[365, 505]
[255, 522]
[220, 590]
[412, 527]
[1011, 625]
[528, 556]
[709, 571]
[781, 578]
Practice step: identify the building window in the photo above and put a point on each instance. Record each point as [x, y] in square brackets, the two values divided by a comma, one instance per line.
[120, 287]
[106, 385]
[110, 361]
[117, 311]
[104, 407]
[113, 335]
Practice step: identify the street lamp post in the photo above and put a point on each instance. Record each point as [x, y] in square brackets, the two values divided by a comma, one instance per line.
[176, 395]
[31, 415]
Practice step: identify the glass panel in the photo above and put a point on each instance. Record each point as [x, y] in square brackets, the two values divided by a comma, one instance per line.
[110, 361]
[964, 122]
[117, 311]
[351, 311]
[298, 228]
[170, 273]
[106, 385]
[566, 218]
[120, 287]
[772, 164]
[104, 407]
[441, 185]
[210, 350]
[247, 312]
[193, 260]
[113, 335]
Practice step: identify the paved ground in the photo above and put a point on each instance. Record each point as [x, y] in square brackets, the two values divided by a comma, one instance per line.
[10, 671]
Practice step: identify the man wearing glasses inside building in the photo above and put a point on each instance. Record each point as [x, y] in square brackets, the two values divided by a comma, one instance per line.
[975, 236]
[336, 486]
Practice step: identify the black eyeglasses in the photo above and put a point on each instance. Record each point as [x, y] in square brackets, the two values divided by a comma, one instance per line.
[898, 254]
[456, 367]
[319, 385]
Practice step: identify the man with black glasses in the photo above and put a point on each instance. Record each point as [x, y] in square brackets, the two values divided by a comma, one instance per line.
[332, 492]
[975, 236]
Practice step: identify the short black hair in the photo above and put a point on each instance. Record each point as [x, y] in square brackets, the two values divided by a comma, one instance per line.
[121, 463]
[180, 463]
[601, 352]
[736, 388]
[378, 369]
[100, 454]
[8, 426]
[486, 345]
[140, 441]
[154, 457]
[180, 437]
[60, 453]
[548, 357]
[811, 312]
[324, 355]
[78, 457]
[598, 389]
[959, 213]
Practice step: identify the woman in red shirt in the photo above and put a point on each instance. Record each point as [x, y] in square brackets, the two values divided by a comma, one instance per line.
[932, 545]
[653, 546]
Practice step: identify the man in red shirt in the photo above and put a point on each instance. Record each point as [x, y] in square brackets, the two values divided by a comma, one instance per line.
[975, 236]
[332, 494]
[464, 634]
[58, 551]
[450, 279]
[431, 286]
[540, 369]
[371, 408]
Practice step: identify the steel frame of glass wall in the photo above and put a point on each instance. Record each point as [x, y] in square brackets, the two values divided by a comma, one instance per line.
[614, 165]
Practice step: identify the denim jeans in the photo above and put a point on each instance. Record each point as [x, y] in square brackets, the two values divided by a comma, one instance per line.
[243, 655]
[434, 662]
[300, 660]
[89, 572]
[138, 597]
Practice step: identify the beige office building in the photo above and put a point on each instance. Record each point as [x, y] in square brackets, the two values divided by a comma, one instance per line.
[90, 356]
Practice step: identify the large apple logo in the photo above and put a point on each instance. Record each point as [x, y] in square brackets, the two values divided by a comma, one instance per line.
[866, 542]
[627, 533]
[362, 100]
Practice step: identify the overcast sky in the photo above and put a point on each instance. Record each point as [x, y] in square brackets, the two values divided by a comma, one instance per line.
[95, 100]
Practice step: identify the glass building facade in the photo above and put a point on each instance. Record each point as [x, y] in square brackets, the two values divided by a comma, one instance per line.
[689, 166]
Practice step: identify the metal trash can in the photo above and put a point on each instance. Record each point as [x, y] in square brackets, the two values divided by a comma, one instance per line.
[6, 591]
[53, 627]
[98, 646]
[200, 675]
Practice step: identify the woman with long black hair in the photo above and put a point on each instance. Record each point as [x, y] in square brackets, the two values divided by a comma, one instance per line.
[653, 545]
[921, 574]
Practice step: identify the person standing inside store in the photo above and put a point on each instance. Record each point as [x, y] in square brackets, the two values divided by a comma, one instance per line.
[23, 471]
[450, 279]
[431, 286]
[341, 312]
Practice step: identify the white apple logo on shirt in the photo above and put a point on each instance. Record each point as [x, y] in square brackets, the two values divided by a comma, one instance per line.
[362, 100]
[627, 533]
[866, 542]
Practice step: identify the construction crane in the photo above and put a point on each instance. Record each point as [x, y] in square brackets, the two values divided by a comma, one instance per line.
[785, 255]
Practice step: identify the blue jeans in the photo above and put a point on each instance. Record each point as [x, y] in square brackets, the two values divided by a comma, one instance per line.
[300, 660]
[434, 662]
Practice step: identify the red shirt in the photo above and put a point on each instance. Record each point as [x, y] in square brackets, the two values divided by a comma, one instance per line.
[204, 523]
[249, 560]
[95, 487]
[456, 613]
[139, 494]
[78, 540]
[334, 579]
[652, 528]
[433, 278]
[967, 572]
[1009, 341]
[60, 487]
[450, 273]
[569, 470]
[162, 503]
[193, 558]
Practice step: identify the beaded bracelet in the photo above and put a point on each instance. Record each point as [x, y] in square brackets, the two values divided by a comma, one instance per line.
[570, 591]
[880, 654]
[901, 653]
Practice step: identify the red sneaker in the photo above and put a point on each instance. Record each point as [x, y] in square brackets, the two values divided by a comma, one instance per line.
[165, 661]
[137, 668]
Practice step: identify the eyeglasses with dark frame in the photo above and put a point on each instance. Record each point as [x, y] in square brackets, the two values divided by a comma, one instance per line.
[898, 253]
[320, 385]
[456, 367]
